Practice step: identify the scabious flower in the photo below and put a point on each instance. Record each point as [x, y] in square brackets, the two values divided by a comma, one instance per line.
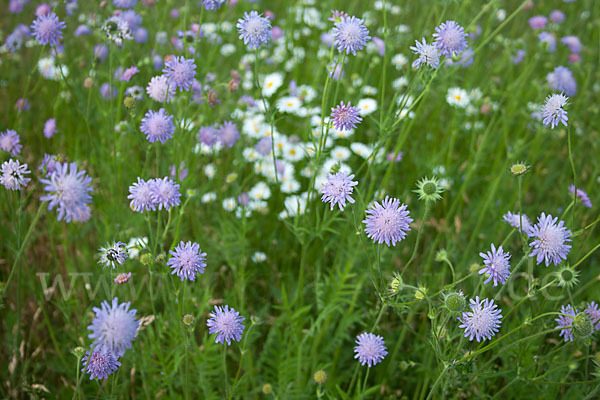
[50, 128]
[497, 265]
[594, 314]
[122, 278]
[180, 72]
[387, 222]
[13, 175]
[159, 89]
[68, 189]
[566, 322]
[515, 221]
[226, 323]
[117, 29]
[114, 255]
[553, 111]
[158, 126]
[337, 16]
[562, 80]
[370, 349]
[538, 22]
[573, 43]
[345, 117]
[47, 29]
[254, 29]
[125, 3]
[228, 134]
[211, 5]
[11, 142]
[208, 135]
[450, 38]
[351, 35]
[187, 261]
[165, 193]
[429, 189]
[428, 54]
[549, 40]
[100, 364]
[338, 189]
[141, 196]
[585, 199]
[550, 240]
[114, 327]
[483, 321]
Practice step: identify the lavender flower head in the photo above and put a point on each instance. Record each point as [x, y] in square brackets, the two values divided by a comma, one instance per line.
[483, 321]
[450, 38]
[114, 327]
[566, 322]
[583, 196]
[47, 29]
[594, 314]
[187, 261]
[68, 189]
[562, 80]
[553, 111]
[370, 349]
[338, 189]
[208, 135]
[254, 29]
[165, 193]
[351, 35]
[101, 364]
[228, 134]
[428, 54]
[13, 175]
[114, 255]
[497, 265]
[180, 72]
[211, 5]
[387, 222]
[141, 196]
[159, 89]
[157, 126]
[117, 29]
[345, 117]
[50, 128]
[122, 278]
[515, 220]
[550, 244]
[125, 3]
[226, 323]
[10, 141]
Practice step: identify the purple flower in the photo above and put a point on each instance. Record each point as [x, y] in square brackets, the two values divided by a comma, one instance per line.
[125, 3]
[387, 222]
[515, 221]
[165, 193]
[47, 29]
[553, 111]
[557, 16]
[226, 323]
[68, 189]
[122, 278]
[158, 126]
[345, 117]
[254, 29]
[228, 134]
[550, 240]
[141, 196]
[264, 146]
[180, 72]
[159, 89]
[82, 30]
[13, 175]
[49, 164]
[561, 79]
[211, 5]
[585, 199]
[450, 38]
[101, 364]
[50, 128]
[11, 142]
[370, 349]
[496, 265]
[338, 189]
[114, 255]
[114, 327]
[517, 58]
[15, 40]
[565, 322]
[129, 73]
[594, 314]
[483, 321]
[428, 54]
[549, 40]
[538, 22]
[351, 35]
[208, 135]
[337, 16]
[390, 157]
[187, 261]
[573, 43]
